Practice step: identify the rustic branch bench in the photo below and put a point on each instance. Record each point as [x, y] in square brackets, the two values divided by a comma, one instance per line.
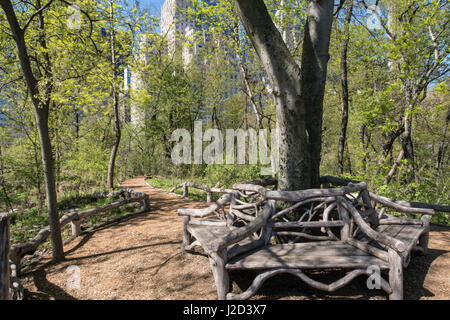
[325, 229]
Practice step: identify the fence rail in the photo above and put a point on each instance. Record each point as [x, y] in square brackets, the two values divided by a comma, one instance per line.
[209, 190]
[18, 251]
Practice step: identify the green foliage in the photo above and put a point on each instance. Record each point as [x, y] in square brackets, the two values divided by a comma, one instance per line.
[227, 175]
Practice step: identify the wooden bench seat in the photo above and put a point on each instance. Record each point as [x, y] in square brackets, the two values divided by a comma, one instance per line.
[322, 255]
[206, 234]
[408, 234]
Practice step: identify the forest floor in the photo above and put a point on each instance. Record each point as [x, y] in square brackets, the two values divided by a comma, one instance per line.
[140, 258]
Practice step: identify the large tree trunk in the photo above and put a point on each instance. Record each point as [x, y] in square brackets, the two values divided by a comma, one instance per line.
[299, 116]
[344, 87]
[41, 113]
[314, 70]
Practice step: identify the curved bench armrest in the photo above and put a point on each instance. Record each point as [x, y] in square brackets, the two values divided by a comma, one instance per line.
[241, 233]
[196, 213]
[389, 241]
[407, 207]
[201, 213]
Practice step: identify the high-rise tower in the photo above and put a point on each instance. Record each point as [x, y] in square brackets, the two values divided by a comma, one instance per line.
[176, 26]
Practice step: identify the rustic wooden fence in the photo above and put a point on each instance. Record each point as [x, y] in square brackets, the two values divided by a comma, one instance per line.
[11, 256]
[210, 190]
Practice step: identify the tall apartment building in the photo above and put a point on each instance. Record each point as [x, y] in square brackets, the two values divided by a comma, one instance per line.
[176, 27]
[179, 30]
[133, 82]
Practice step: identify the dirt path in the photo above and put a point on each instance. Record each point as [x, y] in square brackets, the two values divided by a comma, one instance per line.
[140, 258]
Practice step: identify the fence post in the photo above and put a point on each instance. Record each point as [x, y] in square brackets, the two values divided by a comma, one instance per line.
[76, 227]
[185, 190]
[4, 256]
[146, 204]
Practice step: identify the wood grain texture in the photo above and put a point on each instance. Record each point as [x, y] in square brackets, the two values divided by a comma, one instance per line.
[238, 234]
[395, 275]
[310, 255]
[408, 207]
[380, 237]
[299, 195]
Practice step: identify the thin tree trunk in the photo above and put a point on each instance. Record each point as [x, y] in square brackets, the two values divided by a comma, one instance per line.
[50, 182]
[258, 113]
[364, 145]
[344, 87]
[408, 146]
[387, 146]
[245, 113]
[41, 109]
[115, 94]
[77, 123]
[115, 148]
[394, 167]
[443, 145]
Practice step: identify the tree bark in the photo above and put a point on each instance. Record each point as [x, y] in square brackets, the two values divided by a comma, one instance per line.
[258, 113]
[41, 113]
[443, 145]
[344, 87]
[394, 167]
[314, 70]
[115, 94]
[299, 116]
[406, 137]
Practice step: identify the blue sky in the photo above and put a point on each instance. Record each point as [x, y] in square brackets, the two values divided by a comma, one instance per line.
[153, 5]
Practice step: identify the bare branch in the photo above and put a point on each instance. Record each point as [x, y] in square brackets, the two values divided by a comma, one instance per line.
[36, 13]
[339, 7]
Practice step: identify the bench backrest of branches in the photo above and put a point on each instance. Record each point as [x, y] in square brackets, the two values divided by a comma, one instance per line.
[349, 209]
[299, 212]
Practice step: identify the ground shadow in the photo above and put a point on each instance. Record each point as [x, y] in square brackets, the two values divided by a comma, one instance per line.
[45, 289]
